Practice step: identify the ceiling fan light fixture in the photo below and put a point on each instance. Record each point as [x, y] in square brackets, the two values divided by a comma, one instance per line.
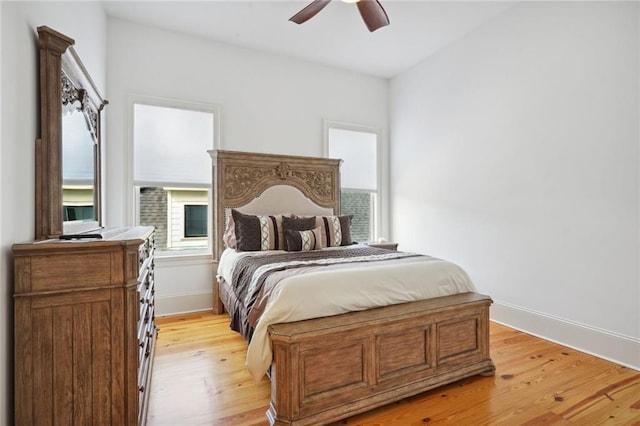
[372, 12]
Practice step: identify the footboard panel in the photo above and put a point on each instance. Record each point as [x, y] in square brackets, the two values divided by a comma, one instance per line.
[330, 368]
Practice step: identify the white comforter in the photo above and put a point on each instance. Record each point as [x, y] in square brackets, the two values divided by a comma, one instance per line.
[324, 293]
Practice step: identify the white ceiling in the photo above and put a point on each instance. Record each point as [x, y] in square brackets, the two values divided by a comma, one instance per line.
[336, 36]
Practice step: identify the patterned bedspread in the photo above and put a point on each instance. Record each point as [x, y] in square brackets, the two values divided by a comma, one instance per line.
[251, 274]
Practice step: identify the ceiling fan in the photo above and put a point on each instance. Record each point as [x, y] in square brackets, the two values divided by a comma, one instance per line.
[372, 12]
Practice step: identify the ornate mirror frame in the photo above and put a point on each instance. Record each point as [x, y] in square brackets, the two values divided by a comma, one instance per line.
[63, 81]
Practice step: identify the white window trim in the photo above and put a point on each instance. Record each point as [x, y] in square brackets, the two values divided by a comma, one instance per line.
[169, 218]
[130, 199]
[329, 124]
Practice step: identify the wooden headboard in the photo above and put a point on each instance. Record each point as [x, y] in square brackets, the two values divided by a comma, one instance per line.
[241, 177]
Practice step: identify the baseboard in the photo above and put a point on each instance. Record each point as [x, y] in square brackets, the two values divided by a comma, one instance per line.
[623, 350]
[183, 303]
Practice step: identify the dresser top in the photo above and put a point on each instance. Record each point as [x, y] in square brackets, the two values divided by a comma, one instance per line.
[132, 235]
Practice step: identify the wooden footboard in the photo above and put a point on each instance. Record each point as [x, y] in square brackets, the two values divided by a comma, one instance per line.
[330, 368]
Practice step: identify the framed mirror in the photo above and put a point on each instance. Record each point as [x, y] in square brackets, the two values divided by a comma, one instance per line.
[68, 196]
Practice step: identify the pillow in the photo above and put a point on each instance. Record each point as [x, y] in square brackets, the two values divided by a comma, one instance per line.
[303, 240]
[256, 233]
[229, 236]
[336, 230]
[297, 224]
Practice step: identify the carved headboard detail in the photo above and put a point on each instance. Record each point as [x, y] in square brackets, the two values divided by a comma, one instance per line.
[240, 177]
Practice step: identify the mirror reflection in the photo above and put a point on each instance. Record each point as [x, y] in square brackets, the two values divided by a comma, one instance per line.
[78, 146]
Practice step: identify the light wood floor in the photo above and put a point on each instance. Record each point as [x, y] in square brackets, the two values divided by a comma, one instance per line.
[199, 378]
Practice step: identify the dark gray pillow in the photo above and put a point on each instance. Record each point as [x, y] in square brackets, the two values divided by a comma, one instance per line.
[255, 233]
[297, 224]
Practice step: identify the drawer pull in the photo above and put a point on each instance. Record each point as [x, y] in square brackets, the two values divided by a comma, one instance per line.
[141, 389]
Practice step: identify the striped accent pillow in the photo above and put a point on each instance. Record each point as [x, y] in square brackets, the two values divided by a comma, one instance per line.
[304, 240]
[256, 233]
[336, 230]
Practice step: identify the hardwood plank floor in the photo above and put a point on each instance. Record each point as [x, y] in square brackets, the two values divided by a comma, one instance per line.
[199, 378]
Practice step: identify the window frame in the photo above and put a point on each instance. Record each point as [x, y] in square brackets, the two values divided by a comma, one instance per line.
[132, 193]
[377, 194]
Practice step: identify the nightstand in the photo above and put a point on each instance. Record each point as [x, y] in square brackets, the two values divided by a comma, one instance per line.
[386, 246]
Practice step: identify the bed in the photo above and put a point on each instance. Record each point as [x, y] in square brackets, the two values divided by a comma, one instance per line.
[345, 328]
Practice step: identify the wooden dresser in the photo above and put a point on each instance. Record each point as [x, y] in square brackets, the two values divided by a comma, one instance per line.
[84, 329]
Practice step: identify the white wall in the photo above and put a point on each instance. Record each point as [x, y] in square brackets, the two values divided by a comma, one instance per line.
[268, 104]
[515, 154]
[20, 127]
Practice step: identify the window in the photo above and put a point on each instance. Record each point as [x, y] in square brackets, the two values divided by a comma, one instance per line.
[358, 148]
[195, 221]
[172, 172]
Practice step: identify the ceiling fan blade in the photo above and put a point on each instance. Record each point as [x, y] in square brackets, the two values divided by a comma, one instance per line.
[309, 12]
[373, 14]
